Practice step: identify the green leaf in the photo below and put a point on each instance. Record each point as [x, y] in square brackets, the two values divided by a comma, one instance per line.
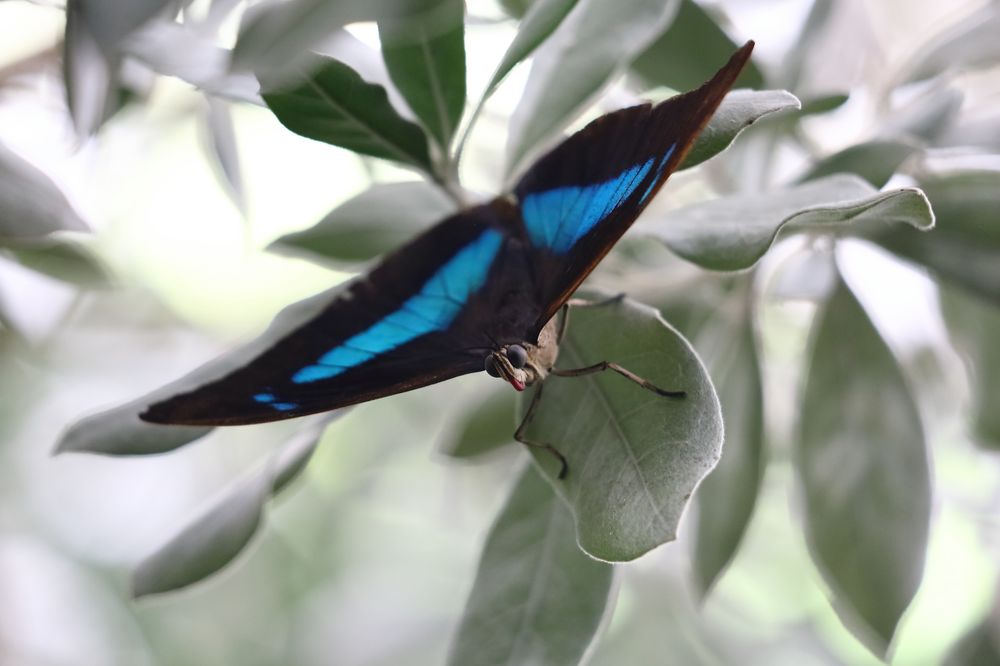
[975, 329]
[965, 246]
[62, 257]
[862, 461]
[224, 530]
[688, 52]
[335, 105]
[634, 456]
[31, 205]
[727, 496]
[739, 110]
[424, 52]
[732, 233]
[597, 39]
[970, 44]
[487, 426]
[540, 21]
[875, 161]
[119, 431]
[536, 599]
[376, 221]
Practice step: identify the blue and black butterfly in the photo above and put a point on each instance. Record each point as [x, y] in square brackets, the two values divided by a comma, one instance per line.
[479, 290]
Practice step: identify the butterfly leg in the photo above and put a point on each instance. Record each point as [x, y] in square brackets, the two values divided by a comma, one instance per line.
[627, 374]
[519, 434]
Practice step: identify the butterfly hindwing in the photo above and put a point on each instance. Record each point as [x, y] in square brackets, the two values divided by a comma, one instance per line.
[406, 324]
[579, 198]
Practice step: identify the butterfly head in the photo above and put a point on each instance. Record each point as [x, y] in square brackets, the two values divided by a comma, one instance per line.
[509, 364]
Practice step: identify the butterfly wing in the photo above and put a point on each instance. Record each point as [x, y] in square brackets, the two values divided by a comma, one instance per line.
[578, 200]
[413, 321]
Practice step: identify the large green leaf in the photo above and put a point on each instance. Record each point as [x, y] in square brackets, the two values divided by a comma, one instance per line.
[335, 105]
[31, 205]
[739, 110]
[863, 462]
[224, 530]
[488, 425]
[726, 498]
[971, 43]
[378, 220]
[597, 39]
[975, 329]
[688, 52]
[634, 456]
[424, 51]
[119, 431]
[536, 599]
[965, 246]
[732, 233]
[875, 161]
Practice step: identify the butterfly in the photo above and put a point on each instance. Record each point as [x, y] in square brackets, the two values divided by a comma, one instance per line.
[480, 290]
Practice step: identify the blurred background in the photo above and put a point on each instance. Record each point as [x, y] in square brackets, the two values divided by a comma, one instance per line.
[368, 557]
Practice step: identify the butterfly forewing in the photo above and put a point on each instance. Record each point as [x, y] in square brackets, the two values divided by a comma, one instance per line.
[578, 200]
[411, 322]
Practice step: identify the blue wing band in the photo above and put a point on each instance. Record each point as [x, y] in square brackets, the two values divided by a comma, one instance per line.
[558, 218]
[433, 308]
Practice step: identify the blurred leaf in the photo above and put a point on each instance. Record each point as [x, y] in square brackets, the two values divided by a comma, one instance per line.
[980, 646]
[862, 460]
[336, 106]
[536, 599]
[965, 246]
[739, 110]
[424, 51]
[732, 233]
[971, 43]
[975, 328]
[110, 21]
[178, 50]
[518, 8]
[540, 21]
[31, 205]
[727, 496]
[90, 74]
[594, 43]
[221, 533]
[792, 64]
[875, 161]
[927, 118]
[222, 136]
[634, 457]
[487, 426]
[689, 51]
[823, 104]
[61, 257]
[376, 221]
[119, 431]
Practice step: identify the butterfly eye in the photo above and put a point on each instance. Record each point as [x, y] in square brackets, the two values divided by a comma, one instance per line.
[517, 356]
[491, 366]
